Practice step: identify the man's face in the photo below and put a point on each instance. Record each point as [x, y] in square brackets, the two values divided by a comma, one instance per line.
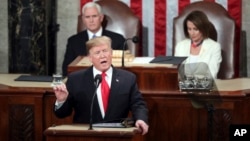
[101, 57]
[92, 19]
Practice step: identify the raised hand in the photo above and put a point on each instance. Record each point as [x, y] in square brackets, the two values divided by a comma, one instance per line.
[61, 92]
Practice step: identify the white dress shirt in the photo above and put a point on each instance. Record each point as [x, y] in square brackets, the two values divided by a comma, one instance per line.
[97, 34]
[99, 94]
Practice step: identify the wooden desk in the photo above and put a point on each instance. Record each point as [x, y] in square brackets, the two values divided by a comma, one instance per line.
[150, 77]
[81, 132]
[173, 115]
[24, 105]
[21, 109]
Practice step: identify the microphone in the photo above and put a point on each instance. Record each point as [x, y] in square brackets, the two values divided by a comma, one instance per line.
[134, 39]
[98, 80]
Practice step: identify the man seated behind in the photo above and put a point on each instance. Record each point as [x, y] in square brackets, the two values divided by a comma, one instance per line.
[92, 18]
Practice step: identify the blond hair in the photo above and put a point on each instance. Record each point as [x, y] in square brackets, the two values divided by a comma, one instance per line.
[97, 41]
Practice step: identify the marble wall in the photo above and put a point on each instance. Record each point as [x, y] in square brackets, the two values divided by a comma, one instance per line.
[67, 15]
[28, 36]
[67, 19]
[4, 37]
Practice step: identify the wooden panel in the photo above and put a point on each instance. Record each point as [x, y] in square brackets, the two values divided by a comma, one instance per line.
[172, 119]
[21, 114]
[21, 122]
[49, 116]
[78, 132]
[155, 79]
[80, 138]
[172, 115]
[149, 77]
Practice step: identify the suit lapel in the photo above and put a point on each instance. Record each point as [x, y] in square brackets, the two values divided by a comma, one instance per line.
[85, 36]
[90, 84]
[203, 52]
[104, 32]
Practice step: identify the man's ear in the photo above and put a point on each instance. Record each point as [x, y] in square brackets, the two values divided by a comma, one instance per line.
[82, 17]
[102, 17]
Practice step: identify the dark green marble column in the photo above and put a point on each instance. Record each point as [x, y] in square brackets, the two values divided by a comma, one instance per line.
[31, 49]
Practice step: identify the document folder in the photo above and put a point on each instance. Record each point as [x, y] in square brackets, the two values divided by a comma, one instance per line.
[36, 78]
[168, 60]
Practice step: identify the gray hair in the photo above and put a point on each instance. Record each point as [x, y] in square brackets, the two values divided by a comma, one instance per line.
[90, 5]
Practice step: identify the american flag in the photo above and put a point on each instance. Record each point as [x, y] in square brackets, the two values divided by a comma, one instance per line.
[157, 17]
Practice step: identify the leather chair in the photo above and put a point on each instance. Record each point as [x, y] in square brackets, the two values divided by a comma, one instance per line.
[118, 18]
[224, 32]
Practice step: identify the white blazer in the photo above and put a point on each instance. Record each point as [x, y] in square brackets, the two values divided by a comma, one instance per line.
[210, 54]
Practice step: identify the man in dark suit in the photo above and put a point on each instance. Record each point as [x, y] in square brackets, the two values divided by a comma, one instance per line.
[123, 95]
[92, 18]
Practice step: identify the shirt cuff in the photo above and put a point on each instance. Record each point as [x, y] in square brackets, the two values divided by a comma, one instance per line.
[58, 105]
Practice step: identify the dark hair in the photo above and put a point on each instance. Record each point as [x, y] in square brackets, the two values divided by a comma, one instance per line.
[200, 20]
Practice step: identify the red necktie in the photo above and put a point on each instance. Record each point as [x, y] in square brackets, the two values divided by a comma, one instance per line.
[105, 92]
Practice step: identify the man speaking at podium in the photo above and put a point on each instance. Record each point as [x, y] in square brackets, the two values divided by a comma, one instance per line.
[110, 101]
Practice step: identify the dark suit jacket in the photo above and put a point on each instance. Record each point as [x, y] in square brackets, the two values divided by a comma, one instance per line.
[124, 97]
[76, 46]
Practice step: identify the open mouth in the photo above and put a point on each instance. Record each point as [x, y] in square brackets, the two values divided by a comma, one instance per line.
[103, 62]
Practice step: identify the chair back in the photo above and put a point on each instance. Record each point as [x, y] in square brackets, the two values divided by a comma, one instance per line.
[224, 32]
[119, 18]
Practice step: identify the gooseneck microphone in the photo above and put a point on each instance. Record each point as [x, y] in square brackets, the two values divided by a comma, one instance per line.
[98, 80]
[135, 39]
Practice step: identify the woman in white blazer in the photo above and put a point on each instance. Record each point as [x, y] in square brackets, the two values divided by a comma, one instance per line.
[203, 54]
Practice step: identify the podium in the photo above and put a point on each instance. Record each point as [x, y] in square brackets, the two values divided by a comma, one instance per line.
[151, 77]
[80, 132]
[171, 114]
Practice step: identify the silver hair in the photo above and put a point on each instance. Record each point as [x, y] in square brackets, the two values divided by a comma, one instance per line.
[92, 4]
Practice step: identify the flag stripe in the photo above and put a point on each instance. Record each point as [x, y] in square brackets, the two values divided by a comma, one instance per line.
[136, 7]
[160, 29]
[234, 9]
[148, 26]
[182, 4]
[222, 3]
[82, 2]
[172, 11]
